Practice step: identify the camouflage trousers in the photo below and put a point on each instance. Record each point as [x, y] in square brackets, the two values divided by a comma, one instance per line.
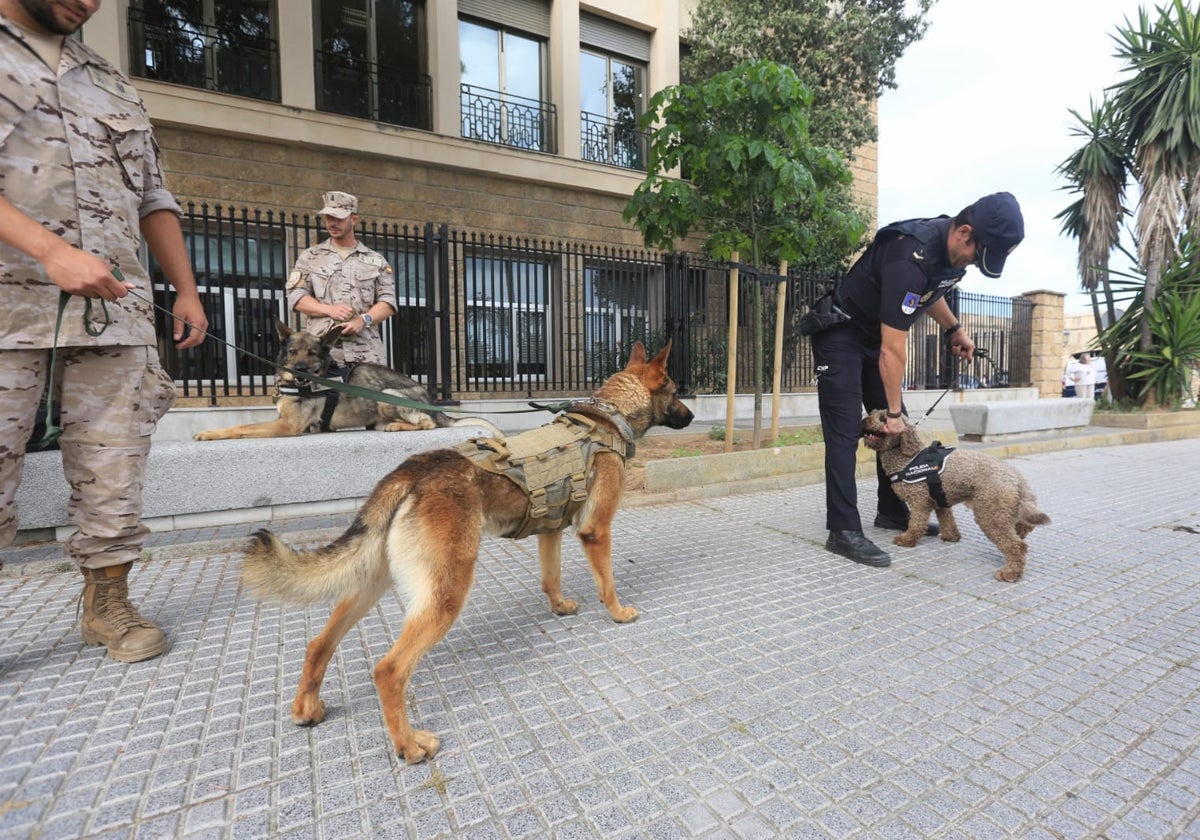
[110, 399]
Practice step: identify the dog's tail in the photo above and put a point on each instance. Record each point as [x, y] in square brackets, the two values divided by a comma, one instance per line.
[1030, 515]
[271, 568]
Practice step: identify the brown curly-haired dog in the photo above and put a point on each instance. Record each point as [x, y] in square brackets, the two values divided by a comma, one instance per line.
[1002, 500]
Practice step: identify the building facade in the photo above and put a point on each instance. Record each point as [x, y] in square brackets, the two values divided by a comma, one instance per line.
[463, 126]
[512, 116]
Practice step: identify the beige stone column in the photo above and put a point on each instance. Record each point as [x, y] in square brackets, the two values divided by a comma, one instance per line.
[564, 76]
[442, 21]
[107, 34]
[297, 75]
[1046, 348]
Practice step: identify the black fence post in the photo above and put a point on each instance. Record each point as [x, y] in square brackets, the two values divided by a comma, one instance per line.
[437, 274]
[678, 320]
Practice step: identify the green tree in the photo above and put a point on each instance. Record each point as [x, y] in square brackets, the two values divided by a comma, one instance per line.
[1159, 107]
[756, 184]
[845, 52]
[1097, 172]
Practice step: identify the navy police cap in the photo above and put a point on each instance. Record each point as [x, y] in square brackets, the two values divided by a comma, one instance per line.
[998, 228]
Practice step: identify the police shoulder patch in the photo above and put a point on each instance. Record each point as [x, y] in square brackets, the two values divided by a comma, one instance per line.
[909, 305]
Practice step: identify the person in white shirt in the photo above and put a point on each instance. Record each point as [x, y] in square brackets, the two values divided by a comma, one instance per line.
[1085, 378]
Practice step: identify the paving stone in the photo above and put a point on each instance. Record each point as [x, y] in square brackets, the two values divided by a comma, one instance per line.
[768, 689]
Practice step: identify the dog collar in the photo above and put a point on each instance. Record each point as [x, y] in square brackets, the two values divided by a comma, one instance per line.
[309, 388]
[610, 412]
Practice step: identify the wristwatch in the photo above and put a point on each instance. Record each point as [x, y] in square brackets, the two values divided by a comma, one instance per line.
[367, 319]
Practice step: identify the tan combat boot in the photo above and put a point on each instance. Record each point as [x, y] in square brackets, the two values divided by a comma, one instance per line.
[109, 619]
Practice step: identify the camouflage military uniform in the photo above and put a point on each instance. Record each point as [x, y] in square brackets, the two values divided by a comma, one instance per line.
[76, 153]
[361, 279]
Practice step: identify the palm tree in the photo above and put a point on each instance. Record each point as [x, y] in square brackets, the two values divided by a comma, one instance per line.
[1159, 105]
[1098, 170]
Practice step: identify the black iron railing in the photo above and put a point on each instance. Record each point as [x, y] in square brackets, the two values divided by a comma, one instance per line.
[481, 314]
[174, 50]
[615, 142]
[1002, 326]
[359, 88]
[508, 120]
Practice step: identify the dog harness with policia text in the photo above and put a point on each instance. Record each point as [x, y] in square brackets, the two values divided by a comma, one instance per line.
[551, 464]
[927, 466]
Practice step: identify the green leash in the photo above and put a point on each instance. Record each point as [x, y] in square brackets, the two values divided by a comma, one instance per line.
[53, 432]
[366, 393]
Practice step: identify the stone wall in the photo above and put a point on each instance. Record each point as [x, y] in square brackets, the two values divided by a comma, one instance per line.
[242, 172]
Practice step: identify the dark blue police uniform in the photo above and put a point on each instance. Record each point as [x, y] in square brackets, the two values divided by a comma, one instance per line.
[904, 271]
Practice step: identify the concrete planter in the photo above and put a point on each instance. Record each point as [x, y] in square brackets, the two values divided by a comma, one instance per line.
[1147, 419]
[778, 465]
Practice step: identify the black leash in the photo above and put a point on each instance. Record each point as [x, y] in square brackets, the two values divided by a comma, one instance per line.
[980, 353]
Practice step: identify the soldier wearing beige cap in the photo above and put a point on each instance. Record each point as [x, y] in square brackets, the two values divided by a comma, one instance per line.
[342, 282]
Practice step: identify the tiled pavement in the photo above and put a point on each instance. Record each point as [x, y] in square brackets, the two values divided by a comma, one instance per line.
[768, 690]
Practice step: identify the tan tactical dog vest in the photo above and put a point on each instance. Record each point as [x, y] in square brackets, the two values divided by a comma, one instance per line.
[551, 464]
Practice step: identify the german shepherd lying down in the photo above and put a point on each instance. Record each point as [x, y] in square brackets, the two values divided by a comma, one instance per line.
[302, 409]
[421, 528]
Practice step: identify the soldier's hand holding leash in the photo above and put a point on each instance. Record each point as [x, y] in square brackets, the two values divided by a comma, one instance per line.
[74, 271]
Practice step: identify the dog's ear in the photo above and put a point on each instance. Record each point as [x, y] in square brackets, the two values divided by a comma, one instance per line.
[660, 360]
[333, 336]
[282, 330]
[637, 354]
[655, 373]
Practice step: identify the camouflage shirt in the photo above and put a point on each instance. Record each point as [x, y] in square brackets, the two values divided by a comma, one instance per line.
[360, 280]
[76, 154]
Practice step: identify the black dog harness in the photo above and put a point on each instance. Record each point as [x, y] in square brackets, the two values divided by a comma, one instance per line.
[310, 390]
[927, 466]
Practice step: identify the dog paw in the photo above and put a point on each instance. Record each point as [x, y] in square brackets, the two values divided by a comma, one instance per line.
[951, 536]
[905, 540]
[564, 606]
[625, 615]
[203, 436]
[1008, 575]
[422, 746]
[308, 713]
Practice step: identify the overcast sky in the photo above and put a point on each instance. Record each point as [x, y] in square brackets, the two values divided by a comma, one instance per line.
[982, 106]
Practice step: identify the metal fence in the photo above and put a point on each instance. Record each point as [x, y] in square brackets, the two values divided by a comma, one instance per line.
[242, 60]
[347, 84]
[507, 119]
[487, 315]
[615, 142]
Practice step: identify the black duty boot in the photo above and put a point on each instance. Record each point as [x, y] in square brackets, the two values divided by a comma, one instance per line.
[887, 523]
[854, 546]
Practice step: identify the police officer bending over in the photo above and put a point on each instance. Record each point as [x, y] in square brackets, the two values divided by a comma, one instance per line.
[860, 344]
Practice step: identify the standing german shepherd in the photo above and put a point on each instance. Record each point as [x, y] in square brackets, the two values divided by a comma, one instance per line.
[303, 408]
[421, 528]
